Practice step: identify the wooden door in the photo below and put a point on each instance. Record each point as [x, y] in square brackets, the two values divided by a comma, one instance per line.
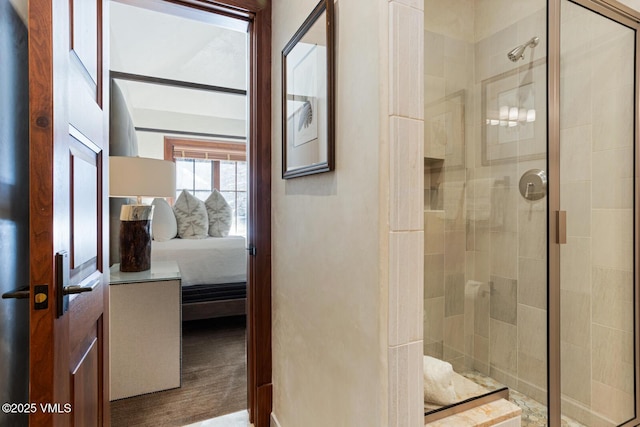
[68, 101]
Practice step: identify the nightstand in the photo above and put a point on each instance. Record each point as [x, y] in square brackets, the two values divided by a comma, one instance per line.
[144, 330]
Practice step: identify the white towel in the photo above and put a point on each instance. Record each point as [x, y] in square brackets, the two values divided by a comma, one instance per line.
[481, 201]
[438, 382]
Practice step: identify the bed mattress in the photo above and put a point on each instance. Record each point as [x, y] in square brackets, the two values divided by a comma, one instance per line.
[207, 261]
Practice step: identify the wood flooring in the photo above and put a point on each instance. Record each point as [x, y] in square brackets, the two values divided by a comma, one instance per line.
[214, 380]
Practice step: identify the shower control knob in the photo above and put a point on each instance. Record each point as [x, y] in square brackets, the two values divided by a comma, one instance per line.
[533, 184]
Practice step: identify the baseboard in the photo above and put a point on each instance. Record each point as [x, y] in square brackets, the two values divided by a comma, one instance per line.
[274, 421]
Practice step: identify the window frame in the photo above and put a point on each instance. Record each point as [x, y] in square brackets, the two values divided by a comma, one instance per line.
[204, 149]
[215, 151]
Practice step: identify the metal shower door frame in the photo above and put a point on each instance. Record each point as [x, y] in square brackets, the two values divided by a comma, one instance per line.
[630, 18]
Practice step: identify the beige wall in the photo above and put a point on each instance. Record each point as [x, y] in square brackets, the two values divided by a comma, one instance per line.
[347, 246]
[329, 352]
[150, 144]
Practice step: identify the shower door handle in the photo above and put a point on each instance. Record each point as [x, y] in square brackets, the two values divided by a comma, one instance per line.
[562, 227]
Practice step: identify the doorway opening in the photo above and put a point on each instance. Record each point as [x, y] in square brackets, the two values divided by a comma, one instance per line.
[183, 89]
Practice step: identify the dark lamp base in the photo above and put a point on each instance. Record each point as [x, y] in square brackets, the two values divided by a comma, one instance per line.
[135, 245]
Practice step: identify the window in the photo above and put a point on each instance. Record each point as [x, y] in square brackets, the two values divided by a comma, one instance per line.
[233, 186]
[205, 166]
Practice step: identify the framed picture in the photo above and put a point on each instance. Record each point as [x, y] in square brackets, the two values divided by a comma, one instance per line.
[514, 115]
[444, 136]
[308, 96]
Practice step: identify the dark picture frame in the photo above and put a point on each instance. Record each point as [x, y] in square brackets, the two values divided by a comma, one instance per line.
[308, 96]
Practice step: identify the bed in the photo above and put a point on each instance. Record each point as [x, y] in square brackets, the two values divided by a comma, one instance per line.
[213, 269]
[214, 274]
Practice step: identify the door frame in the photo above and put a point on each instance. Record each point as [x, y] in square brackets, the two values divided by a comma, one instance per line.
[628, 17]
[257, 13]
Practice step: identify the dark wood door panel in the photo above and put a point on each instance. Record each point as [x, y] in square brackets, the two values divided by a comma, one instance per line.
[85, 312]
[84, 113]
[85, 35]
[85, 183]
[86, 64]
[86, 227]
[86, 387]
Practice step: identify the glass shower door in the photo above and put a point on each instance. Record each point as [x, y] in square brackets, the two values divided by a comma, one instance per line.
[597, 163]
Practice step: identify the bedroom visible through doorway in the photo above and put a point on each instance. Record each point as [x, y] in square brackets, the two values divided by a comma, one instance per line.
[179, 92]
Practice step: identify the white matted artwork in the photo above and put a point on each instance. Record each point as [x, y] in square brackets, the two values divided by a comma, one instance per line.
[514, 114]
[303, 100]
[515, 106]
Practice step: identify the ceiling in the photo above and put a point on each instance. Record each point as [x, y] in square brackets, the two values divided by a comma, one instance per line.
[186, 46]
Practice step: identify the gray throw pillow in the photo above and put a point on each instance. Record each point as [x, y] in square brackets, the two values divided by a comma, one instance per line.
[191, 215]
[220, 215]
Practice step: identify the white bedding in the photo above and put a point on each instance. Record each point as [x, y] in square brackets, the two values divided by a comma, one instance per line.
[205, 261]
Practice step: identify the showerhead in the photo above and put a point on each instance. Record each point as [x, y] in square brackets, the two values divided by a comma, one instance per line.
[518, 53]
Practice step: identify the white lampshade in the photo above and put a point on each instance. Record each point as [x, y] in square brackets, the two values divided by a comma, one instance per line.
[141, 177]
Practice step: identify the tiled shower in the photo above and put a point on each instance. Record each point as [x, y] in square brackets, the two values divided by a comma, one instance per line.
[486, 248]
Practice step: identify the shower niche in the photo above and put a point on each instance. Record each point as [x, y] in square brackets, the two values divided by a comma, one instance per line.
[444, 149]
[433, 197]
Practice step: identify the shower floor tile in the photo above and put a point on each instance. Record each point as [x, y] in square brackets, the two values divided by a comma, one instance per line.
[534, 414]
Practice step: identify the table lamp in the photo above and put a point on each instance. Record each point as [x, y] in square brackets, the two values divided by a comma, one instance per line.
[138, 177]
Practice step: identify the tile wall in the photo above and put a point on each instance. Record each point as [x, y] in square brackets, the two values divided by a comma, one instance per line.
[404, 122]
[485, 246]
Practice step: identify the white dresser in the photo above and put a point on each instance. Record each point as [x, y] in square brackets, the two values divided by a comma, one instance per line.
[144, 330]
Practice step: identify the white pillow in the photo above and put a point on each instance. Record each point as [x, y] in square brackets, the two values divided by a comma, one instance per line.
[164, 225]
[220, 214]
[191, 216]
